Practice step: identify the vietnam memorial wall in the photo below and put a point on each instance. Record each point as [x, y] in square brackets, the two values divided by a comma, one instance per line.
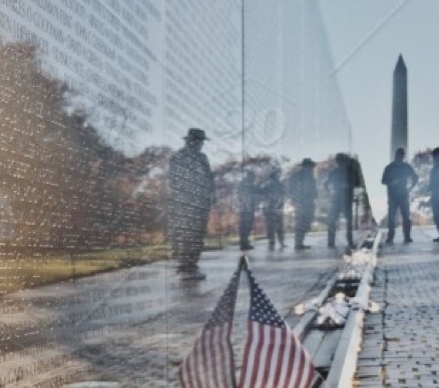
[96, 95]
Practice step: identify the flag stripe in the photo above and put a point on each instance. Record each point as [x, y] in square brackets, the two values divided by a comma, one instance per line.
[286, 360]
[274, 358]
[259, 329]
[189, 368]
[248, 352]
[311, 371]
[303, 368]
[181, 378]
[219, 355]
[245, 355]
[222, 373]
[307, 372]
[213, 352]
[204, 371]
[281, 365]
[267, 352]
[186, 374]
[251, 356]
[230, 362]
[231, 358]
[211, 362]
[296, 364]
[292, 360]
[298, 367]
[229, 369]
[197, 359]
[259, 356]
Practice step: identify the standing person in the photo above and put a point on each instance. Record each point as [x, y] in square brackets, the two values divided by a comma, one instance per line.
[433, 187]
[396, 177]
[191, 193]
[303, 192]
[342, 181]
[247, 200]
[274, 195]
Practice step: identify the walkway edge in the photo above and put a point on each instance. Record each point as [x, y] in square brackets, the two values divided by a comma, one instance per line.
[302, 328]
[344, 364]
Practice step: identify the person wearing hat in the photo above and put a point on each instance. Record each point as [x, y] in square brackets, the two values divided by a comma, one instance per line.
[274, 196]
[303, 193]
[433, 187]
[191, 194]
[396, 177]
[341, 183]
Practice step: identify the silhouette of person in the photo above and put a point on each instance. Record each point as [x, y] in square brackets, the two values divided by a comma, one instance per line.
[342, 181]
[303, 192]
[274, 196]
[247, 200]
[396, 177]
[433, 187]
[191, 194]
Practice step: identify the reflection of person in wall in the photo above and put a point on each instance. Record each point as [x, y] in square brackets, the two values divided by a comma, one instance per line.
[396, 177]
[303, 192]
[433, 187]
[274, 195]
[341, 182]
[191, 189]
[247, 200]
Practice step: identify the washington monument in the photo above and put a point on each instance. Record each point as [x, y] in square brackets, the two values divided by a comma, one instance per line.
[399, 108]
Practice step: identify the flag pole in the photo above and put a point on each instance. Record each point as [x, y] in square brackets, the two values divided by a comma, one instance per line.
[243, 263]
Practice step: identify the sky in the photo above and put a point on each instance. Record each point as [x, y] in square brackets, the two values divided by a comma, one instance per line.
[366, 38]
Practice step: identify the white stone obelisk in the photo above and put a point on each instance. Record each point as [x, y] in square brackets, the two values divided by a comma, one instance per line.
[399, 108]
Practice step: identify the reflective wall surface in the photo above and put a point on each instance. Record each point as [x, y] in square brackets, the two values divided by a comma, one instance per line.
[97, 98]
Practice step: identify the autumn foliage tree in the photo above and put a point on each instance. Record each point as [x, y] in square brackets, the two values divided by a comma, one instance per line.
[62, 185]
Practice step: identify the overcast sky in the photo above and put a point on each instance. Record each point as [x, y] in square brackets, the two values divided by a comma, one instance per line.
[366, 37]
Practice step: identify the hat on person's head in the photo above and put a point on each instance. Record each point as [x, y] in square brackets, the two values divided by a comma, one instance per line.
[341, 158]
[196, 133]
[308, 162]
[400, 151]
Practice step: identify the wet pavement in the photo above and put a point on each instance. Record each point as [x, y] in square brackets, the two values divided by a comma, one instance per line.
[401, 342]
[133, 326]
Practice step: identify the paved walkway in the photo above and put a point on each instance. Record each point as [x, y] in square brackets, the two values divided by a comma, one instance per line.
[134, 326]
[401, 343]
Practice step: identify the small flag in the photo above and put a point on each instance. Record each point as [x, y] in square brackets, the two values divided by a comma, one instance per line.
[211, 362]
[273, 356]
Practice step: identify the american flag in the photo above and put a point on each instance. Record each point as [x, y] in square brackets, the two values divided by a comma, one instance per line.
[211, 362]
[273, 357]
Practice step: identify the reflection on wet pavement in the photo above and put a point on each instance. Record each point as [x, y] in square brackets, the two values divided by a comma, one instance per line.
[133, 326]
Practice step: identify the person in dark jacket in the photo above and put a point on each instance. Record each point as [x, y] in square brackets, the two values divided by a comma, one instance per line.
[274, 196]
[342, 181]
[303, 193]
[191, 194]
[400, 178]
[247, 200]
[433, 187]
